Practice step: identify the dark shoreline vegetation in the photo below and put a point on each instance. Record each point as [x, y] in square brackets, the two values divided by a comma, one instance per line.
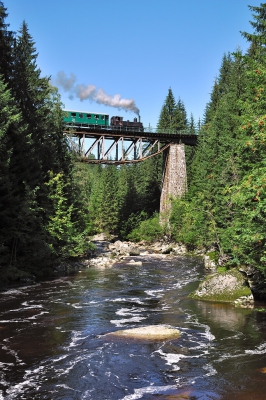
[51, 203]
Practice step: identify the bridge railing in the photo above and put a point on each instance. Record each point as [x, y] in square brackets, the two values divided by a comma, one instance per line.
[130, 129]
[168, 131]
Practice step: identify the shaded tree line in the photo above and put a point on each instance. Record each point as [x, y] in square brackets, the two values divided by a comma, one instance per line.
[224, 208]
[41, 218]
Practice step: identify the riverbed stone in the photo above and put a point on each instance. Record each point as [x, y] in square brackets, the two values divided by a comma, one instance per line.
[134, 251]
[209, 264]
[225, 286]
[149, 332]
[245, 301]
[135, 263]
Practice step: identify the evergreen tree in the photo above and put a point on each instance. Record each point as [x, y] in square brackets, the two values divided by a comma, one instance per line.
[220, 87]
[36, 169]
[19, 216]
[248, 197]
[173, 116]
[167, 114]
[192, 129]
[180, 116]
[9, 123]
[148, 175]
[257, 39]
[216, 164]
[104, 200]
[6, 46]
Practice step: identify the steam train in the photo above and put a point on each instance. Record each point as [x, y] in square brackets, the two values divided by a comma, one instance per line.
[89, 119]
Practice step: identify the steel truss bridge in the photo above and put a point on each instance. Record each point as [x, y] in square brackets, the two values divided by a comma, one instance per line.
[122, 145]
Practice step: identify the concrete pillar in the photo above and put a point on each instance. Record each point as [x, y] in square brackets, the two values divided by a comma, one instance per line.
[174, 182]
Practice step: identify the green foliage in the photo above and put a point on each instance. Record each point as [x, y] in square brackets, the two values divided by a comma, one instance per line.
[31, 145]
[257, 39]
[119, 198]
[49, 202]
[167, 116]
[190, 225]
[173, 116]
[132, 223]
[248, 197]
[148, 230]
[67, 238]
[6, 46]
[226, 203]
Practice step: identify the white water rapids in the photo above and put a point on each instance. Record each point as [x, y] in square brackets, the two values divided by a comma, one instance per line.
[54, 343]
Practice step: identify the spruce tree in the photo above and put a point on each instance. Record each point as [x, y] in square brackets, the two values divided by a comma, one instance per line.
[216, 164]
[257, 39]
[220, 87]
[180, 116]
[173, 116]
[166, 118]
[20, 232]
[6, 46]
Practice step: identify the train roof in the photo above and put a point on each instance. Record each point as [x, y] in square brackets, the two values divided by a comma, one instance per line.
[87, 112]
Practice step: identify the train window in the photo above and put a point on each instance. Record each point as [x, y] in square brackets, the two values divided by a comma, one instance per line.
[96, 116]
[73, 114]
[106, 117]
[89, 116]
[102, 116]
[80, 115]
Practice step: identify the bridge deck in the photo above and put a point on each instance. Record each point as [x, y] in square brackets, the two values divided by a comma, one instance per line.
[147, 134]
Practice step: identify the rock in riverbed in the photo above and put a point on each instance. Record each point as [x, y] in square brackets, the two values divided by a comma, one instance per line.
[150, 332]
[229, 286]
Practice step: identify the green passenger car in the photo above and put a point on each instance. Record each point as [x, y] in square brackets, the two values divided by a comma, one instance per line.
[85, 118]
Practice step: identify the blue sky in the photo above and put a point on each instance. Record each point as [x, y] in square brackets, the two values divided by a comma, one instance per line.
[134, 49]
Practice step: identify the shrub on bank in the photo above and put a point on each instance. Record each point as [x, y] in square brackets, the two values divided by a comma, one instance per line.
[148, 230]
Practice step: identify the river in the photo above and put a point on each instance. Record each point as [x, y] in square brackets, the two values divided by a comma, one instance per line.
[54, 343]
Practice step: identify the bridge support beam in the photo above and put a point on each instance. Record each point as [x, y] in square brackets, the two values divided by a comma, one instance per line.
[174, 181]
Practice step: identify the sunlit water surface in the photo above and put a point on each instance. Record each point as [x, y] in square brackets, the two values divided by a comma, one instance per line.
[54, 344]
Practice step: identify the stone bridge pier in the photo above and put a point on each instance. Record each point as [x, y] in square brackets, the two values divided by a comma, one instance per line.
[174, 181]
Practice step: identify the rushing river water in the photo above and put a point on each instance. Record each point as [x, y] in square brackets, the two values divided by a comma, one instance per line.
[54, 344]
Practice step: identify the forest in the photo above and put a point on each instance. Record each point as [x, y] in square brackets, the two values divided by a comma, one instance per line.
[51, 203]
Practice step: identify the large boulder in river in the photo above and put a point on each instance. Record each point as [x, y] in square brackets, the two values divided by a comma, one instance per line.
[228, 286]
[150, 332]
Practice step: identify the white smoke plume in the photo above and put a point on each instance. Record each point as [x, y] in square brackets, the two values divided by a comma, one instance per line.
[89, 92]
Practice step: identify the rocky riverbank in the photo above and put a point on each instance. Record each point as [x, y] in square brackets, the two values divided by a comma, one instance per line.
[236, 286]
[111, 252]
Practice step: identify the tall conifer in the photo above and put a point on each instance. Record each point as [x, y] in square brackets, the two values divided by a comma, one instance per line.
[6, 46]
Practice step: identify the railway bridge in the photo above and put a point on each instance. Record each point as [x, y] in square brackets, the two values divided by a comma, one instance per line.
[124, 145]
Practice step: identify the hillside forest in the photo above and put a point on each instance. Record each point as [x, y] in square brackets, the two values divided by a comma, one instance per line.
[51, 203]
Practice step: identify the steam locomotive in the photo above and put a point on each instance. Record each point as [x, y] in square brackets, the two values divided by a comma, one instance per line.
[90, 119]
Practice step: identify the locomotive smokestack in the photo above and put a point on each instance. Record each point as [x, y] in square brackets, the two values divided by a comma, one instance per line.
[139, 118]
